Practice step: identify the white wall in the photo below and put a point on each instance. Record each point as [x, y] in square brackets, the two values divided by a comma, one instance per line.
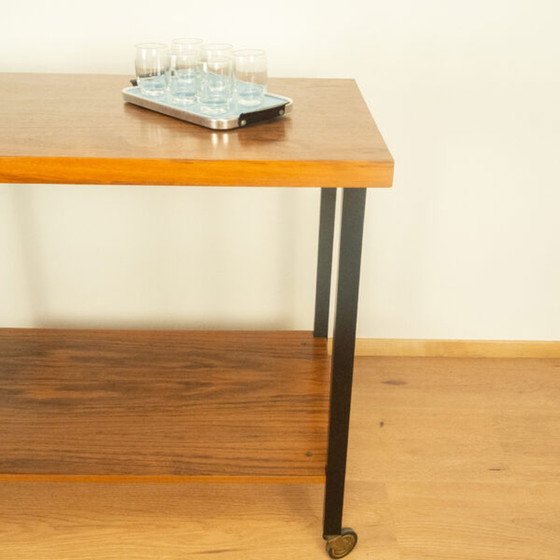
[466, 245]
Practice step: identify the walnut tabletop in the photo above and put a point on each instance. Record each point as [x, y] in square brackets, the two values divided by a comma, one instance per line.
[76, 129]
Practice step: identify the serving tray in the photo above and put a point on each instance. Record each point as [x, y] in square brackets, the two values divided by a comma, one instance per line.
[272, 107]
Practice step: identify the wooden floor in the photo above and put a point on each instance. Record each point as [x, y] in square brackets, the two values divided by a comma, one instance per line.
[450, 459]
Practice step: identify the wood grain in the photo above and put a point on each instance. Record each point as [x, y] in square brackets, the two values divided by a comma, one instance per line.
[469, 450]
[162, 403]
[178, 521]
[424, 482]
[442, 348]
[471, 521]
[77, 129]
[451, 420]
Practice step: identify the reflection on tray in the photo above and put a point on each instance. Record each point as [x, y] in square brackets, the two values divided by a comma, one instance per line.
[272, 107]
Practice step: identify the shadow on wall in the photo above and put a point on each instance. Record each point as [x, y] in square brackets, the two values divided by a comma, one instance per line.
[159, 258]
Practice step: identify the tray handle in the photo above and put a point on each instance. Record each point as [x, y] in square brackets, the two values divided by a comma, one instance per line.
[252, 117]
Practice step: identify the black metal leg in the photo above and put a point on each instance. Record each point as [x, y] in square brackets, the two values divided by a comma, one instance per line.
[353, 207]
[324, 262]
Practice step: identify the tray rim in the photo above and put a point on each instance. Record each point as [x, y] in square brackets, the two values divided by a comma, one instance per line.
[207, 121]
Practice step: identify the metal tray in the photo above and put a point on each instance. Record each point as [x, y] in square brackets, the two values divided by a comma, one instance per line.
[272, 107]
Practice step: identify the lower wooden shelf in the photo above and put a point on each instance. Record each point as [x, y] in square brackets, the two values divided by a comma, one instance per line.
[162, 405]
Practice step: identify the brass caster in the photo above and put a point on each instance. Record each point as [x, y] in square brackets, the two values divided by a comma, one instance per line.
[339, 546]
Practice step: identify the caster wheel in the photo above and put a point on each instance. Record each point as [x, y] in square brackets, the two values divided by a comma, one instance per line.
[339, 546]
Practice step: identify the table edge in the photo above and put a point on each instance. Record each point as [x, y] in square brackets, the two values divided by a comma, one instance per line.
[172, 172]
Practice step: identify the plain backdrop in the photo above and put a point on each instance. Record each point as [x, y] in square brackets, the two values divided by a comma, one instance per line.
[466, 245]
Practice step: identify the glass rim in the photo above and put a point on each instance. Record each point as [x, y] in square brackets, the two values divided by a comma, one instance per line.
[188, 53]
[216, 47]
[151, 46]
[249, 52]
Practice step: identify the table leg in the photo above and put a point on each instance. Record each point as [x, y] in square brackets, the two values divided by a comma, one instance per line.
[324, 262]
[341, 541]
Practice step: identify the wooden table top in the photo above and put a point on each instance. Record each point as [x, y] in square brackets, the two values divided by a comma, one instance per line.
[76, 129]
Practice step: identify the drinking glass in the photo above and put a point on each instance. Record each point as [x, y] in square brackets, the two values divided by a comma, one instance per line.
[215, 84]
[183, 76]
[152, 63]
[250, 76]
[213, 50]
[186, 44]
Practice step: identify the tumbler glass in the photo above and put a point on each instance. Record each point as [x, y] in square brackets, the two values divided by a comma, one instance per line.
[250, 76]
[213, 50]
[186, 44]
[215, 84]
[152, 63]
[183, 76]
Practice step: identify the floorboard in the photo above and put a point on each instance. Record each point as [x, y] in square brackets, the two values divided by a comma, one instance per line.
[450, 459]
